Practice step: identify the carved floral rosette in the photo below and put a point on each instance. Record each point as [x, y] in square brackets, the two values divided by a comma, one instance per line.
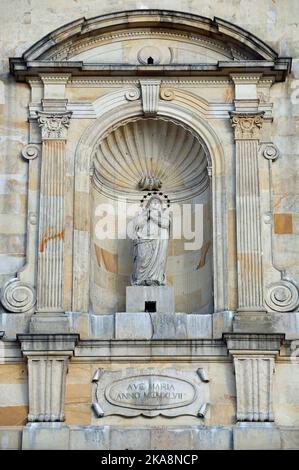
[31, 151]
[269, 151]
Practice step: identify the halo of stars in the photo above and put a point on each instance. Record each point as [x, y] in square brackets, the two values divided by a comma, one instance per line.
[163, 198]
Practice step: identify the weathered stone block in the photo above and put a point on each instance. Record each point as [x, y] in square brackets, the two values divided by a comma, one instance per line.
[89, 438]
[101, 326]
[172, 439]
[45, 436]
[289, 438]
[49, 323]
[222, 323]
[262, 436]
[10, 438]
[130, 439]
[199, 326]
[133, 326]
[181, 326]
[170, 326]
[212, 438]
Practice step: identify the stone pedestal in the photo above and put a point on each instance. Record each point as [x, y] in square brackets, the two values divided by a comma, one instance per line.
[150, 299]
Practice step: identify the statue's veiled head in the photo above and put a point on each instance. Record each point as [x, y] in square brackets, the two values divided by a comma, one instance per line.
[154, 203]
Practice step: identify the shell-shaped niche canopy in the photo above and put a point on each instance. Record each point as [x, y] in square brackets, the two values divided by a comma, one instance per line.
[150, 150]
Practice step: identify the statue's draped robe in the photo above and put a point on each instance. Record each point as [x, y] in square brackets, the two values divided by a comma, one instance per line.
[150, 247]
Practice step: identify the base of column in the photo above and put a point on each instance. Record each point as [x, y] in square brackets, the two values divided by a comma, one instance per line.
[256, 436]
[49, 323]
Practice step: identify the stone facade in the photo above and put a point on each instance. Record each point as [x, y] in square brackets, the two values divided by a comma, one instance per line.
[99, 110]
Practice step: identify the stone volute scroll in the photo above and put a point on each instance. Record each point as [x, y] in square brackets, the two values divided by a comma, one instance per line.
[18, 295]
[281, 290]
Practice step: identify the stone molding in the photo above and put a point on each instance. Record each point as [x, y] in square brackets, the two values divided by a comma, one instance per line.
[49, 344]
[237, 342]
[115, 83]
[55, 78]
[61, 44]
[76, 48]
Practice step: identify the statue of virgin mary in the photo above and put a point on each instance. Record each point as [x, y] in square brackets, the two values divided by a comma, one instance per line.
[150, 244]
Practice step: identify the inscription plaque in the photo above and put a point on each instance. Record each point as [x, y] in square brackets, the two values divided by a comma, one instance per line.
[150, 392]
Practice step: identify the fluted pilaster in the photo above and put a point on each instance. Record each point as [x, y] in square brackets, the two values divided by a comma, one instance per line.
[51, 221]
[47, 376]
[254, 388]
[249, 251]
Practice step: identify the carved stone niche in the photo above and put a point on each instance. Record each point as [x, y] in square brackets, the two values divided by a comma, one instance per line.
[254, 362]
[151, 392]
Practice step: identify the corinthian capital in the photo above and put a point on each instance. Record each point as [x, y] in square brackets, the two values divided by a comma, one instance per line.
[247, 125]
[54, 125]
